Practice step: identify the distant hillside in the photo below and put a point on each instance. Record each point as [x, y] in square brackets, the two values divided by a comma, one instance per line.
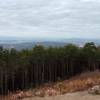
[29, 45]
[22, 43]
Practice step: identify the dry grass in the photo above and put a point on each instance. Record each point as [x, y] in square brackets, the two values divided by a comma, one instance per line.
[78, 83]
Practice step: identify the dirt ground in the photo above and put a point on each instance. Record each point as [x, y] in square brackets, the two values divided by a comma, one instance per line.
[70, 96]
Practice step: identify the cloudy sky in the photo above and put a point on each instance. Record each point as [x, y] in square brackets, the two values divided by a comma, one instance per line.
[50, 18]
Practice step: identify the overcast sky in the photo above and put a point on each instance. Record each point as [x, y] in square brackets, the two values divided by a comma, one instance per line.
[50, 18]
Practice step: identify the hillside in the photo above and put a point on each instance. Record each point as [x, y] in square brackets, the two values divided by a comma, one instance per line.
[72, 89]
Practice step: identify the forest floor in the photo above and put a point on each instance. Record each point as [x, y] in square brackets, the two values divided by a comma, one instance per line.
[70, 89]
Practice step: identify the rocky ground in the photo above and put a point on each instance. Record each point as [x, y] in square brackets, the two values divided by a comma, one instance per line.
[69, 96]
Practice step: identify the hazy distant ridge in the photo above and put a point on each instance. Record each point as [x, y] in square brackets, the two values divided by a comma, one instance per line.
[29, 43]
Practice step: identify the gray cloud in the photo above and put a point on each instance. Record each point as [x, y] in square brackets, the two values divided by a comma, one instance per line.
[50, 18]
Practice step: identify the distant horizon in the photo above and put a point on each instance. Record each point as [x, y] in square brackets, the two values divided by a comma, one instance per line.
[41, 38]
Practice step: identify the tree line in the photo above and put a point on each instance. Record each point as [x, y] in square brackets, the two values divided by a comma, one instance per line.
[30, 68]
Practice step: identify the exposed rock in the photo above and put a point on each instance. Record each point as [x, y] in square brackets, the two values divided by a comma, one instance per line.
[94, 90]
[51, 92]
[39, 93]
